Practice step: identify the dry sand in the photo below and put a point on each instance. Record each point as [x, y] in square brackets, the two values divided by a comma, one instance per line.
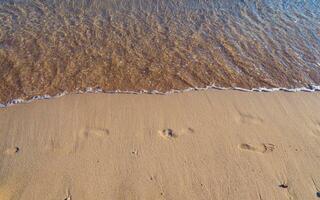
[196, 145]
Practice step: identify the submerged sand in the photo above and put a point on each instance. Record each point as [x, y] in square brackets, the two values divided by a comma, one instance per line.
[196, 145]
[51, 46]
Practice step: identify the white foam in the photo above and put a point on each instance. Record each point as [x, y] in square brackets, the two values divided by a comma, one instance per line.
[242, 89]
[15, 101]
[311, 88]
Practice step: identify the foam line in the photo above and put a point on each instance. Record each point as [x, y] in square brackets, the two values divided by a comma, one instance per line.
[311, 88]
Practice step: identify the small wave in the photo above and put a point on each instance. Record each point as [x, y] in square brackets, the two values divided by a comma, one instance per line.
[310, 88]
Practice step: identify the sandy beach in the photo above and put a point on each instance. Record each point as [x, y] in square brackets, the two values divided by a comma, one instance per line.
[194, 145]
[159, 100]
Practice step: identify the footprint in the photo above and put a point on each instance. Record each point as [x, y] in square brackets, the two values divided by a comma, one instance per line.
[261, 148]
[316, 187]
[99, 132]
[167, 133]
[12, 151]
[316, 133]
[249, 119]
[89, 134]
[289, 192]
[68, 197]
[316, 129]
[134, 152]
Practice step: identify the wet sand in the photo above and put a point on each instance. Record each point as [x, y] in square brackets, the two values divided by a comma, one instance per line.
[196, 145]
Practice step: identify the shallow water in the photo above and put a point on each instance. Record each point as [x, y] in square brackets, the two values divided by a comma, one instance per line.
[47, 47]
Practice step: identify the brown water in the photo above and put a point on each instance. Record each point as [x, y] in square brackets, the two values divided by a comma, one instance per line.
[47, 47]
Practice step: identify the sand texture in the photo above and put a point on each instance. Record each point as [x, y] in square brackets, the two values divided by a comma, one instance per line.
[196, 145]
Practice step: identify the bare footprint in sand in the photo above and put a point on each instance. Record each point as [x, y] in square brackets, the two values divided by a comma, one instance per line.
[167, 133]
[247, 118]
[68, 197]
[12, 151]
[261, 148]
[316, 129]
[98, 132]
[90, 135]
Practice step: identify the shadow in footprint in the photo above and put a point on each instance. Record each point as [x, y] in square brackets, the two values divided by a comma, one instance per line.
[318, 194]
[134, 152]
[261, 148]
[12, 151]
[284, 186]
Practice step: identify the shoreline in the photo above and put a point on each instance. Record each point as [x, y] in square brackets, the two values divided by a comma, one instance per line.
[311, 88]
